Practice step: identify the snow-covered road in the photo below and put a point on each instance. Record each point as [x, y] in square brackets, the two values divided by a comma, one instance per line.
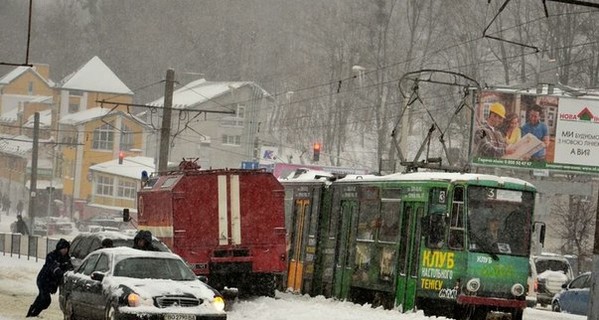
[18, 290]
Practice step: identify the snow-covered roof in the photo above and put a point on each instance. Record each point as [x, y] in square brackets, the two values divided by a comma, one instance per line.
[200, 91]
[18, 71]
[15, 145]
[131, 167]
[93, 114]
[95, 76]
[440, 176]
[45, 119]
[307, 175]
[10, 103]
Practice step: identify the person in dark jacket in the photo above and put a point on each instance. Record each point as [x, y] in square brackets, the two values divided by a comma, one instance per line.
[22, 226]
[107, 243]
[143, 241]
[50, 276]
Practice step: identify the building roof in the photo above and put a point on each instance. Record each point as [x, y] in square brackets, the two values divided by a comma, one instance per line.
[15, 145]
[131, 167]
[45, 119]
[94, 114]
[95, 76]
[11, 115]
[200, 91]
[18, 71]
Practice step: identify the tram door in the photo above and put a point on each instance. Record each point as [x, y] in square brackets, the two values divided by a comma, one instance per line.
[344, 261]
[409, 254]
[296, 258]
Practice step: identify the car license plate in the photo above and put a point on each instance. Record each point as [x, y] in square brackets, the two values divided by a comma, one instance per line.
[179, 317]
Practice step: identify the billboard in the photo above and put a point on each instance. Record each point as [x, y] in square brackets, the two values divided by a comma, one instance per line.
[536, 132]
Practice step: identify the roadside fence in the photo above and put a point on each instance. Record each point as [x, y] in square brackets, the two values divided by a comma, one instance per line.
[31, 247]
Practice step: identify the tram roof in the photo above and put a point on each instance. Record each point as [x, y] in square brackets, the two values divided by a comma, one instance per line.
[437, 176]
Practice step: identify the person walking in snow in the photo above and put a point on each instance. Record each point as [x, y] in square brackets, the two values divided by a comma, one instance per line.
[50, 276]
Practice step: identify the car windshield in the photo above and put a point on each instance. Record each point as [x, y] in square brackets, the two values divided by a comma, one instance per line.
[153, 268]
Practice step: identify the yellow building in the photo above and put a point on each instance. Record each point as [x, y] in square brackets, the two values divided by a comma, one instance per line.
[23, 92]
[115, 184]
[93, 128]
[91, 137]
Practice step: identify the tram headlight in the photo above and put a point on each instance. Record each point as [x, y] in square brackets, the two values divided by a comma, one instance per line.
[473, 285]
[517, 290]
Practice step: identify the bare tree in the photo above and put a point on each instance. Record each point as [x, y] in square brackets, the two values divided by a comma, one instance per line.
[575, 225]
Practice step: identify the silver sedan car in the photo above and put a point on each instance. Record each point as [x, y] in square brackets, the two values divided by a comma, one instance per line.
[126, 283]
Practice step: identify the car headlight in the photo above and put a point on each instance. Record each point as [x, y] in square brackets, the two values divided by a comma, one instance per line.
[219, 303]
[133, 300]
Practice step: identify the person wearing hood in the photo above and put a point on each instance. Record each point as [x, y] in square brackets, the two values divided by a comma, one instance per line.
[22, 226]
[143, 241]
[50, 276]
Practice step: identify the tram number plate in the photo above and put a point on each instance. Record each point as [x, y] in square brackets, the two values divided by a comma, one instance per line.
[179, 317]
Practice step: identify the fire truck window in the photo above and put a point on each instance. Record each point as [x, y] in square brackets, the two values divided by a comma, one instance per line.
[169, 182]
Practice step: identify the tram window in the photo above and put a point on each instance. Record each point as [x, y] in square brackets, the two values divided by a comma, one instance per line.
[456, 228]
[386, 265]
[389, 221]
[362, 262]
[436, 231]
[368, 220]
[416, 246]
[403, 246]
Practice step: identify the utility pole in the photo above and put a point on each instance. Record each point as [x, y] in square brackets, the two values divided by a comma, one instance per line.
[33, 179]
[165, 130]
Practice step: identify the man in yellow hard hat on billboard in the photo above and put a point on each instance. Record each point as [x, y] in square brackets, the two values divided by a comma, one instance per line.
[488, 139]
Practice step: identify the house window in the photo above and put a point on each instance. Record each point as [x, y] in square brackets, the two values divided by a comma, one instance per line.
[76, 93]
[241, 112]
[236, 120]
[104, 186]
[126, 138]
[103, 137]
[127, 189]
[30, 88]
[73, 107]
[231, 140]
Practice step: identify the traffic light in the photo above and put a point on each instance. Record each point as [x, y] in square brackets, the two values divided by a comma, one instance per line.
[121, 156]
[316, 151]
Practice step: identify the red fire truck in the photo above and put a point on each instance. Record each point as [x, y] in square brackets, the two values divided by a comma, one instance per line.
[228, 224]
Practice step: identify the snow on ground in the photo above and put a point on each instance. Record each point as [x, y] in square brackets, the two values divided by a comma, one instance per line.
[18, 290]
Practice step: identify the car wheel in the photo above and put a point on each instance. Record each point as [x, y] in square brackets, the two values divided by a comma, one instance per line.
[555, 306]
[111, 312]
[69, 314]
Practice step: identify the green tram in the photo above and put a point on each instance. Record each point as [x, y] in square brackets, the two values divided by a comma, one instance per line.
[450, 244]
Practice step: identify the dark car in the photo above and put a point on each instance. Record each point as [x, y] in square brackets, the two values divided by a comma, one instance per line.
[126, 283]
[87, 242]
[574, 297]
